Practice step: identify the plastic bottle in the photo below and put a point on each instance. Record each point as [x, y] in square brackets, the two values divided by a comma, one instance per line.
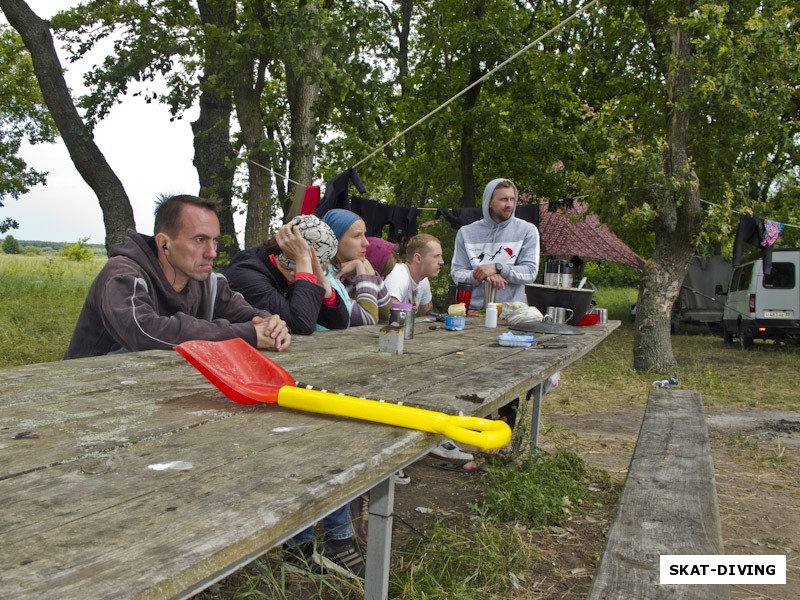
[491, 315]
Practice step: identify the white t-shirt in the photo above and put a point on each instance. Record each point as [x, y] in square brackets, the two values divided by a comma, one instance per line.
[405, 289]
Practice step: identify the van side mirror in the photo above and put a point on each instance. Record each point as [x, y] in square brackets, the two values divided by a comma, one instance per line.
[718, 290]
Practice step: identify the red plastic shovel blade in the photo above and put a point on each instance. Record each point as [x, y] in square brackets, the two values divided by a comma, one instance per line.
[237, 369]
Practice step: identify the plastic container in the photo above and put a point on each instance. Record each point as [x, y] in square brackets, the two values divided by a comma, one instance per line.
[516, 340]
[491, 315]
[454, 323]
[464, 293]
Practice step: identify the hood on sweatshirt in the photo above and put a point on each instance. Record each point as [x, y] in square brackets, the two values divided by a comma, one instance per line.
[487, 196]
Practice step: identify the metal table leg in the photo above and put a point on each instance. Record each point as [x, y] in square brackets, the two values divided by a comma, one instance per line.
[379, 540]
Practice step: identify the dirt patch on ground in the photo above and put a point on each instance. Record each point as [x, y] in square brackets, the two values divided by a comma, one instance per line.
[758, 487]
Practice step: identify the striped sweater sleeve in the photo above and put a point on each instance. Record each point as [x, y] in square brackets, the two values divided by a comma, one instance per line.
[371, 300]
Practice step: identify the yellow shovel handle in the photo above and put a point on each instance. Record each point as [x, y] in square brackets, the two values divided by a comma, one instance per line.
[475, 431]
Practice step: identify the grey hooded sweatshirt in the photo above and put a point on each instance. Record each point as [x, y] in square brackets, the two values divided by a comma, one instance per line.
[131, 306]
[513, 243]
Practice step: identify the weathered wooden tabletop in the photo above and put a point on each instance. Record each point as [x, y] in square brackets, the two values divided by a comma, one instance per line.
[131, 476]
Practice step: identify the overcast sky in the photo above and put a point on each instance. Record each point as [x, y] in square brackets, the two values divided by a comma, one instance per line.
[150, 154]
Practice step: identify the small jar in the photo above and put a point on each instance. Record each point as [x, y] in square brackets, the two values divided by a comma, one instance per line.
[491, 315]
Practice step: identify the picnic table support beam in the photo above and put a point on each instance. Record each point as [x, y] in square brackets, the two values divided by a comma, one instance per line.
[379, 540]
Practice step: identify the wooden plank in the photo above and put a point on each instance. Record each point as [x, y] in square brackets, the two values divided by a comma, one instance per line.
[668, 505]
[84, 514]
[78, 533]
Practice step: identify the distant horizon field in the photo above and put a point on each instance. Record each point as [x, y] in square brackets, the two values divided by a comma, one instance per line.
[46, 243]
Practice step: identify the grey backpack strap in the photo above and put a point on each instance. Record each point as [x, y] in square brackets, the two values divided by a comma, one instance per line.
[212, 295]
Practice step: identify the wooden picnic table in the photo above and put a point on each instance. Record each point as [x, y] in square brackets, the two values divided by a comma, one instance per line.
[131, 476]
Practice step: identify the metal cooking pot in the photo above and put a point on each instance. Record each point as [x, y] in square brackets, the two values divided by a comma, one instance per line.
[558, 273]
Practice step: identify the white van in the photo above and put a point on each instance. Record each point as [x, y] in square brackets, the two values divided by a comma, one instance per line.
[762, 306]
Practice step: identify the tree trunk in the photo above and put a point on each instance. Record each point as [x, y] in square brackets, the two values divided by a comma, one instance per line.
[468, 191]
[303, 86]
[85, 155]
[676, 227]
[214, 156]
[303, 91]
[247, 97]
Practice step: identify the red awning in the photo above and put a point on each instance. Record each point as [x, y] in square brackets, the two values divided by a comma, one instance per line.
[574, 231]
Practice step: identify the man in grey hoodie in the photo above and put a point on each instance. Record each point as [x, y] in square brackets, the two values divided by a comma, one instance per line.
[500, 248]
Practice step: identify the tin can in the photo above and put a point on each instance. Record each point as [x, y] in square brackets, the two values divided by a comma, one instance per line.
[403, 315]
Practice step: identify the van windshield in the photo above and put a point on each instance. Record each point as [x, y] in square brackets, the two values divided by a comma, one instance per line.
[781, 277]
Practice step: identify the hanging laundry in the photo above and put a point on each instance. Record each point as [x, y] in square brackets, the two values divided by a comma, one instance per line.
[310, 199]
[762, 233]
[402, 220]
[772, 231]
[458, 217]
[403, 225]
[376, 215]
[337, 193]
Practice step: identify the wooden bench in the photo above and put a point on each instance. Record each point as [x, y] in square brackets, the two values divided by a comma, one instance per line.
[668, 504]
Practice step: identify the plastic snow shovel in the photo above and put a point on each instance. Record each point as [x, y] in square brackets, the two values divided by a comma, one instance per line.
[246, 376]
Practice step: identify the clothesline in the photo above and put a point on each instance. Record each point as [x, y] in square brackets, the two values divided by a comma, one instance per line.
[561, 200]
[526, 204]
[742, 212]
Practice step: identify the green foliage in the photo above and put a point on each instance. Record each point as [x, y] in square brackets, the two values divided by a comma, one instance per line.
[23, 117]
[454, 563]
[604, 273]
[618, 301]
[542, 491]
[78, 252]
[31, 251]
[10, 245]
[743, 115]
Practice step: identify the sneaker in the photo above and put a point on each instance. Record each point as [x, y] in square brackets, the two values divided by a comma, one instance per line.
[302, 558]
[343, 557]
[448, 449]
[400, 478]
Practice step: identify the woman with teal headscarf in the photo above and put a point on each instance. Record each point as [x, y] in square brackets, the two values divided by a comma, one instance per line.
[351, 269]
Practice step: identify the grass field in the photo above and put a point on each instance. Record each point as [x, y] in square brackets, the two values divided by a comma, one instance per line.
[40, 298]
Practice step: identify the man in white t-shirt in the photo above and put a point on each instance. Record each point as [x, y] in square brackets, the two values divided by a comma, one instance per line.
[408, 283]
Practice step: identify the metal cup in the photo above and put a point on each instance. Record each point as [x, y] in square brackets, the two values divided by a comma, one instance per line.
[558, 314]
[397, 318]
[488, 293]
[402, 316]
[408, 332]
